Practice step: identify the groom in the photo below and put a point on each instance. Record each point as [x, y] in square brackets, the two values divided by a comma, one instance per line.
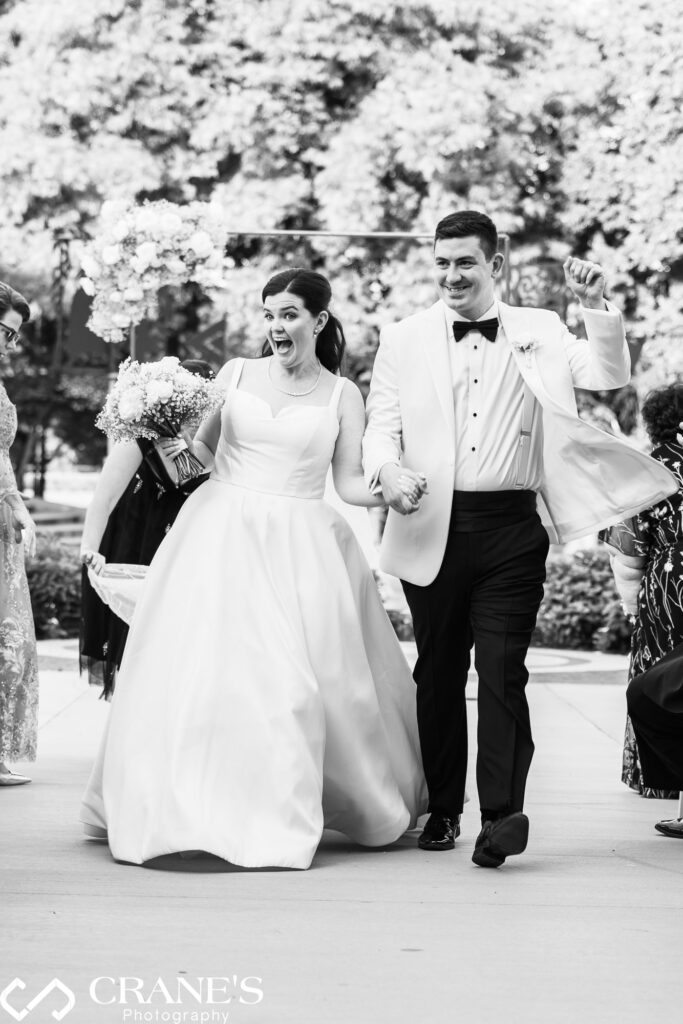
[472, 403]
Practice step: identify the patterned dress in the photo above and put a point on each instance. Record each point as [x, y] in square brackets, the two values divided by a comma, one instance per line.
[18, 655]
[656, 534]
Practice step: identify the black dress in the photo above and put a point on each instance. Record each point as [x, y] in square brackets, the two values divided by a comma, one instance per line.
[136, 527]
[656, 534]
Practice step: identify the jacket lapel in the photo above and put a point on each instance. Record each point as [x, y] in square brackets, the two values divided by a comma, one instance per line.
[434, 343]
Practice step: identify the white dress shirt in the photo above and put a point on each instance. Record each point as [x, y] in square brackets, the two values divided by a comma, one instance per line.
[488, 397]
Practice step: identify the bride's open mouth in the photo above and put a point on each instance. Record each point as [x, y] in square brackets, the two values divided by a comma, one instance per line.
[282, 345]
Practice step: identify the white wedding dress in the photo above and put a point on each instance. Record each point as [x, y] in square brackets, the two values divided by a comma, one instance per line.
[263, 694]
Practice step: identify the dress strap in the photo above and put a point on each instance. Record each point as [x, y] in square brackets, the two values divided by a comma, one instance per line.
[235, 379]
[336, 394]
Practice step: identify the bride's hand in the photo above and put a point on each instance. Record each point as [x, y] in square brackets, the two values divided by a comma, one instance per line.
[170, 447]
[413, 485]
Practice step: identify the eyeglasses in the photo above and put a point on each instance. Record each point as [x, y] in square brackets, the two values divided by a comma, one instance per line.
[11, 335]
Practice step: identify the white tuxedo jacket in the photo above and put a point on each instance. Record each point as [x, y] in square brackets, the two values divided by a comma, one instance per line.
[591, 479]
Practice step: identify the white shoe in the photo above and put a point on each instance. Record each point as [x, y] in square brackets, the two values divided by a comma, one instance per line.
[9, 778]
[95, 832]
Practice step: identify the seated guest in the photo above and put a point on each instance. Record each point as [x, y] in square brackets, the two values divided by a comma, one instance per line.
[655, 706]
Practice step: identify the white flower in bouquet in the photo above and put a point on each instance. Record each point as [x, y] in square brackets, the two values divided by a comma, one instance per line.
[169, 364]
[132, 404]
[87, 285]
[158, 391]
[121, 320]
[111, 254]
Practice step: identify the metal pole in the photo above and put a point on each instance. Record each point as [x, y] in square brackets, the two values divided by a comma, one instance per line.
[415, 236]
[60, 276]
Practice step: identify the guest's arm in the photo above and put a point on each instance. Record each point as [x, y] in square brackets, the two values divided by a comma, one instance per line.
[628, 548]
[117, 472]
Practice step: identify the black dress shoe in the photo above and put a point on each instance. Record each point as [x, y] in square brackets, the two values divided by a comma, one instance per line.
[440, 833]
[500, 839]
[672, 827]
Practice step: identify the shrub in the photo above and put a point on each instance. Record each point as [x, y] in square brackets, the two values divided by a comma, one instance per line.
[581, 608]
[54, 580]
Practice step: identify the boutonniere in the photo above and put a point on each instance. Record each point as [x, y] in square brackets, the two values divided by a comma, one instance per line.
[526, 344]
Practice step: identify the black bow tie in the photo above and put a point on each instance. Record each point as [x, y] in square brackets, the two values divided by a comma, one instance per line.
[489, 328]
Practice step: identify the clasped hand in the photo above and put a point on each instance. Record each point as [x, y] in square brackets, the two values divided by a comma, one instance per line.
[402, 488]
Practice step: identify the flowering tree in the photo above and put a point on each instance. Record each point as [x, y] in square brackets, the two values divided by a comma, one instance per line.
[373, 116]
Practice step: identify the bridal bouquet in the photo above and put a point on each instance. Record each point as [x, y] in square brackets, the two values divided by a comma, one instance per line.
[155, 400]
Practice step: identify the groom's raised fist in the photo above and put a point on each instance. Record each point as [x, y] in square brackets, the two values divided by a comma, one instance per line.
[586, 280]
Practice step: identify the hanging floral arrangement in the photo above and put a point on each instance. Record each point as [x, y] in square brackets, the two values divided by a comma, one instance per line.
[141, 248]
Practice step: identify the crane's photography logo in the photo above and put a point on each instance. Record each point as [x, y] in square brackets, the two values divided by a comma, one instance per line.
[67, 999]
[182, 1000]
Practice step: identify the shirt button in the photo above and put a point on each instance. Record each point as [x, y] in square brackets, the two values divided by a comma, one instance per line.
[474, 414]
[474, 449]
[476, 380]
[475, 348]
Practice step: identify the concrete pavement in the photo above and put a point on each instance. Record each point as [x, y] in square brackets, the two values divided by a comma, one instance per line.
[586, 926]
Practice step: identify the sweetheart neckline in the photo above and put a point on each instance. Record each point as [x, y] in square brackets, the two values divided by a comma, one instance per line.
[285, 408]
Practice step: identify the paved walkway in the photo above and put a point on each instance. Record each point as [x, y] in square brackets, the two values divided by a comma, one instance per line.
[587, 926]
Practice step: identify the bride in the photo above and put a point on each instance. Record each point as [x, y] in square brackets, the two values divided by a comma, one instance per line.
[263, 695]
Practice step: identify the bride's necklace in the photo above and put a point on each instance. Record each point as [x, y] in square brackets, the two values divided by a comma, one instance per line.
[295, 394]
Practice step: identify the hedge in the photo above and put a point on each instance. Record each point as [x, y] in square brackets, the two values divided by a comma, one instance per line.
[580, 609]
[54, 581]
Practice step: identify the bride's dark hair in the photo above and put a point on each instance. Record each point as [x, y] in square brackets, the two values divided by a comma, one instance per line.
[316, 293]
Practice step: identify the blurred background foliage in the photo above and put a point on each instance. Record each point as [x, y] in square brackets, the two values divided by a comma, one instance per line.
[560, 120]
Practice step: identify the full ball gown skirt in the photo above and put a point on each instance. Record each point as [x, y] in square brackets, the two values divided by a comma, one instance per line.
[263, 694]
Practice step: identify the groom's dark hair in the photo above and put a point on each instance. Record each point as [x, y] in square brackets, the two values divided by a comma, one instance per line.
[466, 223]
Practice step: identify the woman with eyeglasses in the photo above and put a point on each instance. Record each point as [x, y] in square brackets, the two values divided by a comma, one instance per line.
[18, 655]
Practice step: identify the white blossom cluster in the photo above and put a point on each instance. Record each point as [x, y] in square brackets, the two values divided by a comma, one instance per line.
[153, 400]
[139, 249]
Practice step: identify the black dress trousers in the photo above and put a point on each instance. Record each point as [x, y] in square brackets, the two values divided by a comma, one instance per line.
[655, 706]
[486, 595]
